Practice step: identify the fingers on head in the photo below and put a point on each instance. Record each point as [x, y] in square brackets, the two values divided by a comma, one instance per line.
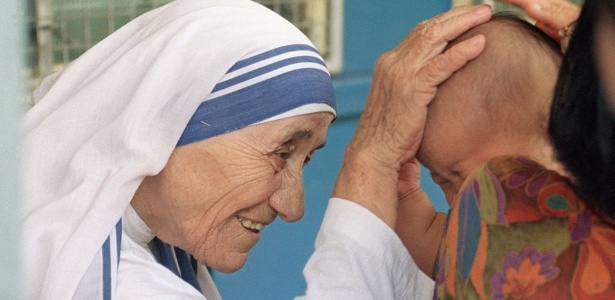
[460, 10]
[441, 67]
[450, 25]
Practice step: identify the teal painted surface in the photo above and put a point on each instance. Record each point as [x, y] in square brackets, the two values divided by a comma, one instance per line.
[274, 267]
[10, 42]
[372, 27]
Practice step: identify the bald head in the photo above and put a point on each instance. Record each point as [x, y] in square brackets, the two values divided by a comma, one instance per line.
[494, 104]
[511, 83]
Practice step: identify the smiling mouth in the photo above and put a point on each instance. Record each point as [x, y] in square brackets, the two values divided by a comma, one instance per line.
[251, 225]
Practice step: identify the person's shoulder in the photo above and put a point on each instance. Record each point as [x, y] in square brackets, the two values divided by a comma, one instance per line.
[521, 172]
[515, 189]
[516, 171]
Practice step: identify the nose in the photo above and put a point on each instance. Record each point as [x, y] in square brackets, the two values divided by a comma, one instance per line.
[288, 201]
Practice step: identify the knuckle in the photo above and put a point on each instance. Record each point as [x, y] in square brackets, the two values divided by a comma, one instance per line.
[429, 33]
[386, 60]
[427, 74]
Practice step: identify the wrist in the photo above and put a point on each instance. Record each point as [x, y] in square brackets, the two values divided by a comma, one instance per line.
[369, 183]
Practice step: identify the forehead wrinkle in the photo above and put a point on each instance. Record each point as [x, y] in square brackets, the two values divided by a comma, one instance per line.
[306, 135]
[302, 134]
[303, 131]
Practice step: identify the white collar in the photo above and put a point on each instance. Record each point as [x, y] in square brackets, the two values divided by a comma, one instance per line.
[136, 229]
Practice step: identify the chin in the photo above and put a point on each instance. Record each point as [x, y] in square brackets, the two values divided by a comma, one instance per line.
[229, 265]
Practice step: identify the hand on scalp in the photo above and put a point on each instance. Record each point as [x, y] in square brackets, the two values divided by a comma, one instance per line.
[391, 127]
[550, 15]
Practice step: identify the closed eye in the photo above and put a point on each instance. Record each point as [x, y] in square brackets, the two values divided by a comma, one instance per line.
[280, 155]
[439, 180]
[284, 155]
[284, 152]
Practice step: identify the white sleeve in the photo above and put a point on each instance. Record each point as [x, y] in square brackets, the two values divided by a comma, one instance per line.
[358, 256]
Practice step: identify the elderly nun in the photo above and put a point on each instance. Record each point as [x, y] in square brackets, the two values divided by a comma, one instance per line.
[171, 144]
[189, 126]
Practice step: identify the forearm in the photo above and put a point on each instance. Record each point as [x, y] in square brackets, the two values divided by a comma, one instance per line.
[369, 184]
[420, 228]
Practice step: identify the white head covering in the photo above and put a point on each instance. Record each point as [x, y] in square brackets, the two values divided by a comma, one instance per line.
[116, 113]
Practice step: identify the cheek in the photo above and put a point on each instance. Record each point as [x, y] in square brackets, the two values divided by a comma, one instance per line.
[249, 192]
[240, 184]
[215, 237]
[202, 203]
[240, 193]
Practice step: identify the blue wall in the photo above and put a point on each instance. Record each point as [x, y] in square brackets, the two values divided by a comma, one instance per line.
[274, 268]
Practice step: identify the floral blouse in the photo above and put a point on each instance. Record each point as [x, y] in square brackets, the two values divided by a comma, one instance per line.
[517, 231]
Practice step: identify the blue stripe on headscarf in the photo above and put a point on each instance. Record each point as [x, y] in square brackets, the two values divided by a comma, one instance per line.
[265, 70]
[261, 100]
[269, 54]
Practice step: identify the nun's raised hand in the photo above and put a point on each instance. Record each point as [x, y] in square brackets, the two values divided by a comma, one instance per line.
[550, 15]
[391, 127]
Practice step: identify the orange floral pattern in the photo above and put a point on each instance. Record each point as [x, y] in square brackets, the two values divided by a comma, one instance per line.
[518, 231]
[523, 273]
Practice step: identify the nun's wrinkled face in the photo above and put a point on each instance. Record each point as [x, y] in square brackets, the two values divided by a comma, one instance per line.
[215, 197]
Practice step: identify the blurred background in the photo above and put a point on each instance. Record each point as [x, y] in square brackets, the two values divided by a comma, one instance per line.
[39, 37]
